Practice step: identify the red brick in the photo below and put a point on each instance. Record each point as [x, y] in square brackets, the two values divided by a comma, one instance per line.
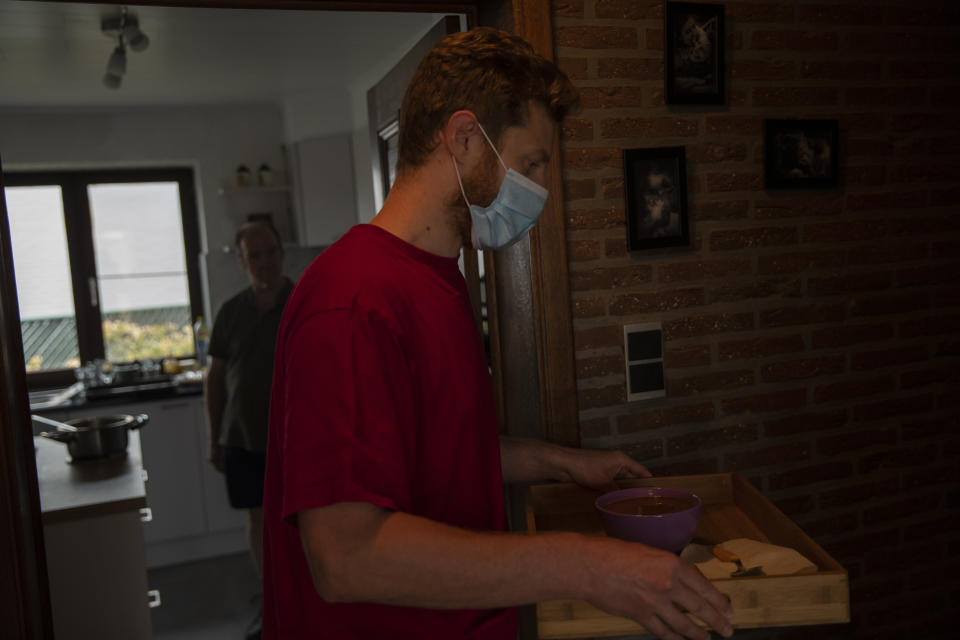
[800, 262]
[600, 218]
[575, 68]
[592, 158]
[805, 315]
[778, 455]
[893, 408]
[707, 325]
[824, 472]
[734, 181]
[880, 254]
[915, 504]
[647, 127]
[870, 591]
[633, 303]
[702, 270]
[743, 13]
[946, 374]
[602, 397]
[833, 15]
[888, 200]
[611, 277]
[871, 42]
[610, 97]
[853, 388]
[577, 129]
[720, 381]
[850, 334]
[599, 366]
[687, 356]
[848, 283]
[657, 418]
[710, 152]
[754, 348]
[889, 96]
[685, 468]
[913, 122]
[612, 187]
[599, 337]
[890, 304]
[930, 326]
[928, 274]
[795, 506]
[858, 545]
[765, 402]
[828, 526]
[734, 125]
[567, 8]
[630, 68]
[794, 40]
[784, 371]
[755, 289]
[580, 250]
[778, 70]
[799, 208]
[752, 238]
[805, 422]
[615, 248]
[841, 70]
[868, 360]
[851, 495]
[846, 231]
[577, 189]
[588, 307]
[705, 440]
[922, 70]
[629, 9]
[595, 37]
[644, 450]
[796, 96]
[654, 39]
[596, 428]
[720, 210]
[856, 441]
[865, 176]
[931, 476]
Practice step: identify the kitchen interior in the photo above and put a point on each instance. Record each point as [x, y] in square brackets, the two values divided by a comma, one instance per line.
[268, 116]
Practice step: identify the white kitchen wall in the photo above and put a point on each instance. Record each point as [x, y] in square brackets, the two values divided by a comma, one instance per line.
[212, 140]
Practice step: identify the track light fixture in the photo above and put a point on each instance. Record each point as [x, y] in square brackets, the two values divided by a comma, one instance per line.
[125, 29]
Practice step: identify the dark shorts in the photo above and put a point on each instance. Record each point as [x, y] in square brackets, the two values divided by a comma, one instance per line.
[244, 471]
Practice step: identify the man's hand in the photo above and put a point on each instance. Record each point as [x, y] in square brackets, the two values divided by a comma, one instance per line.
[656, 588]
[597, 469]
[216, 456]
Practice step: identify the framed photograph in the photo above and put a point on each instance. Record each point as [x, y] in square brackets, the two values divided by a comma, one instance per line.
[800, 154]
[693, 48]
[655, 182]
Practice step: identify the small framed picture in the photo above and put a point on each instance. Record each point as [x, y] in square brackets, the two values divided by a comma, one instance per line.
[800, 154]
[655, 181]
[693, 48]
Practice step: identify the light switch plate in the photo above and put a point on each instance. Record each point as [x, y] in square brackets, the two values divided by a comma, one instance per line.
[643, 355]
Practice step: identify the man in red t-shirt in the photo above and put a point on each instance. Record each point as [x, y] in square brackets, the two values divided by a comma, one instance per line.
[383, 503]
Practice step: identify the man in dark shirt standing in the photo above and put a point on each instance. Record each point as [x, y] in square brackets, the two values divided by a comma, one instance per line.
[237, 385]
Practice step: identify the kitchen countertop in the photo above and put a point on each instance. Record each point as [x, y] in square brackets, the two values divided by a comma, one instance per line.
[117, 395]
[90, 488]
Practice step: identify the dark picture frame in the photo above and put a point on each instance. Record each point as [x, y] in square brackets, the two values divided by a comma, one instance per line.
[801, 154]
[694, 65]
[655, 185]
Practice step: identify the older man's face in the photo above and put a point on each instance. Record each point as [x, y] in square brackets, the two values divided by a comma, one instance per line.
[261, 257]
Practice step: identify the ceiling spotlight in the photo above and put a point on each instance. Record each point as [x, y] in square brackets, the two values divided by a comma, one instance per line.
[126, 30]
[137, 39]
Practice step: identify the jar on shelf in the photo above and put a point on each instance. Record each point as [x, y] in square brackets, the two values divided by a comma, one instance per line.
[244, 176]
[265, 176]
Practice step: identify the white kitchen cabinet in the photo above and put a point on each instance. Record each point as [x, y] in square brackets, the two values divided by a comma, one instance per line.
[172, 461]
[324, 200]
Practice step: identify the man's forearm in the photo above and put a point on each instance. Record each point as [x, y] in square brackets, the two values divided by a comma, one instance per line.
[215, 399]
[413, 561]
[525, 461]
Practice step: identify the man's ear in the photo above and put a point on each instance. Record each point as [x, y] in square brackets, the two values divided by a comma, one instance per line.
[460, 135]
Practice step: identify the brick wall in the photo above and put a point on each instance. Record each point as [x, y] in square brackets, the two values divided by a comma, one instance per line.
[812, 338]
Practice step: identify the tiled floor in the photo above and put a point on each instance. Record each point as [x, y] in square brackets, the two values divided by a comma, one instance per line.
[213, 599]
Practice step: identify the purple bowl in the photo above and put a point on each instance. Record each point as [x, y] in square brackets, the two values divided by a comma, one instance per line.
[670, 531]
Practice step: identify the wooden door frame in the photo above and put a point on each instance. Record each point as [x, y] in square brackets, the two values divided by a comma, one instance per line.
[26, 605]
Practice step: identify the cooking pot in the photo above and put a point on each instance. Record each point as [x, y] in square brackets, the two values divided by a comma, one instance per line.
[94, 438]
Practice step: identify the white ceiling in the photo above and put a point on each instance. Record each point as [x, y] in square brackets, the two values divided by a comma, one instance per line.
[54, 54]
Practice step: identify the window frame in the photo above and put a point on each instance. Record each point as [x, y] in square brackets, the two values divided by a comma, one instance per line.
[80, 248]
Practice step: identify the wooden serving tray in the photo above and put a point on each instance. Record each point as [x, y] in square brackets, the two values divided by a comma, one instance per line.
[732, 508]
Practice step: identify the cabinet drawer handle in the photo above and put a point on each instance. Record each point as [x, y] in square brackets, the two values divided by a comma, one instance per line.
[146, 514]
[153, 598]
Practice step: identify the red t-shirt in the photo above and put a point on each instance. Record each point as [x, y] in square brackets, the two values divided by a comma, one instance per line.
[381, 394]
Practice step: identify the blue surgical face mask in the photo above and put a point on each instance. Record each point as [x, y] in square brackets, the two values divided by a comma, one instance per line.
[511, 214]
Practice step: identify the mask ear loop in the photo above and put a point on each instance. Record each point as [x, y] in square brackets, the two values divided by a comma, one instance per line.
[492, 146]
[459, 181]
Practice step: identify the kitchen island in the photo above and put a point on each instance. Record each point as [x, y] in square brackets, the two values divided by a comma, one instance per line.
[96, 563]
